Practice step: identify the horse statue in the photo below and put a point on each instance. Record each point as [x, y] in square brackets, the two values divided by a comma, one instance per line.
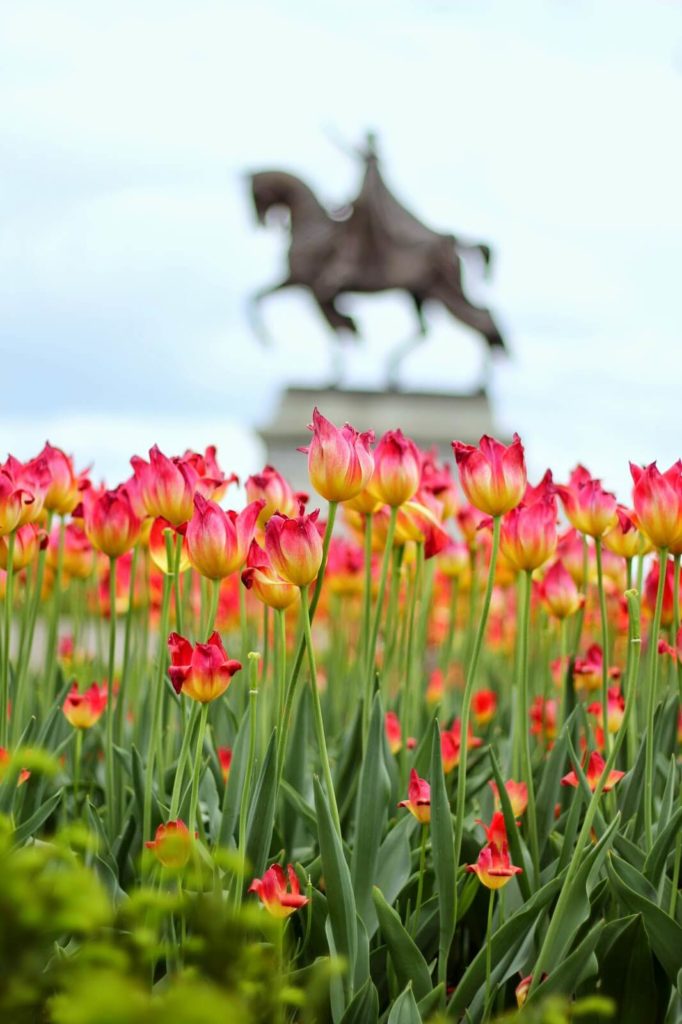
[373, 245]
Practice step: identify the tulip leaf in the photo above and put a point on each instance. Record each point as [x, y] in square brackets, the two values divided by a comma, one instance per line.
[235, 783]
[443, 851]
[654, 864]
[511, 826]
[629, 974]
[339, 889]
[29, 827]
[138, 770]
[261, 820]
[296, 774]
[549, 788]
[638, 896]
[571, 970]
[364, 1006]
[405, 1009]
[407, 959]
[393, 866]
[504, 944]
[370, 816]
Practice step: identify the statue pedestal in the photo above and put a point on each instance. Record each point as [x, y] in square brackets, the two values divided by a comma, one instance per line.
[432, 420]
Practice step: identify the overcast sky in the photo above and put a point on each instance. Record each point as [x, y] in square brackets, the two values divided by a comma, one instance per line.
[127, 245]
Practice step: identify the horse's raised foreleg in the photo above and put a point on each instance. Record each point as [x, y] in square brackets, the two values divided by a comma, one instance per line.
[254, 312]
[399, 353]
[467, 313]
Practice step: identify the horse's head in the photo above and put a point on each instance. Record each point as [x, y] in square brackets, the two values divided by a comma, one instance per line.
[272, 189]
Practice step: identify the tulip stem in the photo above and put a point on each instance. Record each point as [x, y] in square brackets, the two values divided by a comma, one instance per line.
[488, 954]
[196, 775]
[125, 668]
[248, 777]
[280, 663]
[77, 753]
[420, 884]
[580, 617]
[317, 715]
[110, 772]
[604, 643]
[53, 630]
[367, 591]
[446, 656]
[558, 917]
[177, 555]
[524, 731]
[466, 708]
[298, 660]
[676, 621]
[182, 761]
[649, 779]
[7, 639]
[213, 609]
[371, 654]
[26, 644]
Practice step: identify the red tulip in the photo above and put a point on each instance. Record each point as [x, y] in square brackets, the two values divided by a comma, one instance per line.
[294, 547]
[340, 461]
[483, 707]
[589, 508]
[83, 710]
[167, 486]
[559, 592]
[267, 586]
[493, 475]
[202, 672]
[394, 733]
[587, 671]
[158, 549]
[419, 799]
[625, 539]
[62, 485]
[28, 540]
[529, 536]
[218, 541]
[657, 498]
[451, 744]
[110, 522]
[397, 469]
[172, 844]
[593, 774]
[278, 898]
[517, 793]
[271, 488]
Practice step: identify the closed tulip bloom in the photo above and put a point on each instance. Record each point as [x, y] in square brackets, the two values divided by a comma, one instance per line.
[281, 896]
[625, 539]
[593, 773]
[588, 507]
[340, 462]
[110, 522]
[172, 844]
[517, 793]
[167, 486]
[11, 504]
[451, 744]
[559, 591]
[260, 577]
[159, 551]
[483, 707]
[492, 475]
[397, 469]
[529, 535]
[33, 480]
[438, 480]
[570, 550]
[218, 541]
[543, 717]
[657, 498]
[294, 547]
[418, 802]
[225, 761]
[394, 732]
[615, 709]
[62, 490]
[83, 710]
[202, 672]
[270, 487]
[28, 540]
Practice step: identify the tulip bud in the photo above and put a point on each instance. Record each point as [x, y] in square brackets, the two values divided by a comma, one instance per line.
[294, 547]
[340, 462]
[276, 494]
[202, 672]
[419, 799]
[110, 522]
[166, 485]
[83, 710]
[62, 490]
[397, 469]
[657, 498]
[394, 733]
[218, 541]
[28, 540]
[559, 591]
[267, 586]
[11, 504]
[172, 844]
[493, 476]
[625, 539]
[588, 507]
[529, 537]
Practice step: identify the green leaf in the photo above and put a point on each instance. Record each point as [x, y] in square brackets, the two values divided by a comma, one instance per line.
[511, 826]
[261, 819]
[370, 816]
[654, 864]
[30, 827]
[405, 1010]
[443, 852]
[364, 1006]
[339, 890]
[408, 962]
[627, 973]
[669, 795]
[429, 1004]
[296, 772]
[550, 785]
[565, 977]
[664, 934]
[138, 771]
[235, 783]
[394, 864]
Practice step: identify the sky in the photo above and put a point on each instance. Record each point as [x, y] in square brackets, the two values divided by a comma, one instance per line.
[128, 246]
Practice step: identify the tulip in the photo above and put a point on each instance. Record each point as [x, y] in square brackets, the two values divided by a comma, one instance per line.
[225, 761]
[62, 485]
[397, 469]
[589, 508]
[517, 793]
[11, 504]
[279, 898]
[496, 831]
[588, 671]
[271, 488]
[529, 536]
[545, 489]
[5, 759]
[202, 672]
[172, 844]
[218, 541]
[469, 521]
[83, 710]
[419, 799]
[212, 482]
[625, 539]
[571, 551]
[33, 480]
[484, 706]
[28, 540]
[651, 590]
[394, 733]
[494, 867]
[109, 521]
[451, 744]
[657, 498]
[615, 709]
[158, 549]
[167, 486]
[593, 774]
[559, 592]
[492, 475]
[294, 547]
[438, 480]
[675, 652]
[340, 462]
[260, 577]
[543, 716]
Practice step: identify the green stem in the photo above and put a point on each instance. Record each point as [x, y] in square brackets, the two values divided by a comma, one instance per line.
[580, 616]
[213, 609]
[446, 654]
[196, 775]
[372, 650]
[53, 629]
[248, 776]
[77, 753]
[112, 802]
[420, 884]
[604, 643]
[411, 659]
[676, 620]
[366, 592]
[7, 640]
[281, 663]
[651, 701]
[488, 953]
[182, 761]
[176, 584]
[317, 715]
[125, 668]
[27, 645]
[524, 631]
[558, 917]
[466, 702]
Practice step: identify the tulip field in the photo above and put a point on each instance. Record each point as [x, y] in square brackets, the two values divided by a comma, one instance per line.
[404, 748]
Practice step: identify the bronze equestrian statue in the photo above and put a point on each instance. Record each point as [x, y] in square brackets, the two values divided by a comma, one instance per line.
[378, 245]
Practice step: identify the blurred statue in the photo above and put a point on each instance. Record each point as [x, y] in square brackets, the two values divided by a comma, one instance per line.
[372, 245]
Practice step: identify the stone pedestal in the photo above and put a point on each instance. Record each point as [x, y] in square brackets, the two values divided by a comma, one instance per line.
[430, 419]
